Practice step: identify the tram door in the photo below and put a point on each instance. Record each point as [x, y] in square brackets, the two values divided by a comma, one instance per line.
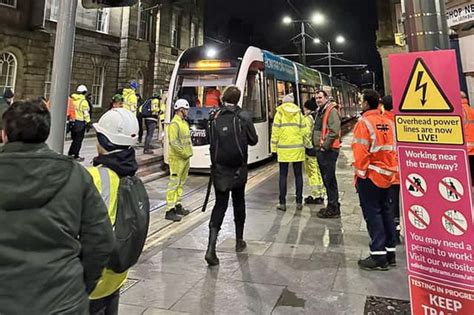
[272, 103]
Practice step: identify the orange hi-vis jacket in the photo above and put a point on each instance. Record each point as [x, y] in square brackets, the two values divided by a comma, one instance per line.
[468, 112]
[374, 148]
[391, 115]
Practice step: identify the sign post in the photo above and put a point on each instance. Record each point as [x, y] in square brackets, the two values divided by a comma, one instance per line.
[436, 187]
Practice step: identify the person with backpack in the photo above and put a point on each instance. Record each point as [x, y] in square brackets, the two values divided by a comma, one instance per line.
[231, 132]
[126, 199]
[55, 235]
[289, 140]
[150, 111]
[180, 152]
[310, 164]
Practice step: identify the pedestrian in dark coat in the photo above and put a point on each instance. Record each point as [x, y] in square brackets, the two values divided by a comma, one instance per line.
[55, 234]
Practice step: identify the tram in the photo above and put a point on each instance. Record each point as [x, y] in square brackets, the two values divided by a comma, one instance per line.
[202, 73]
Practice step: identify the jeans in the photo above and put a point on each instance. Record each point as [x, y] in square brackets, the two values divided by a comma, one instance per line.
[220, 207]
[298, 172]
[378, 216]
[150, 130]
[327, 164]
[78, 131]
[108, 305]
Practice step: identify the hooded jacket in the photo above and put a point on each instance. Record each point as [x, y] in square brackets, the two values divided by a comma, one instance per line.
[289, 136]
[130, 100]
[55, 234]
[81, 107]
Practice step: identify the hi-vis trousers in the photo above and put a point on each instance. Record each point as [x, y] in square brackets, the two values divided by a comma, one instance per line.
[179, 170]
[315, 180]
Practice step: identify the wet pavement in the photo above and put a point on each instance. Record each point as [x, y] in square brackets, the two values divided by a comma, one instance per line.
[295, 263]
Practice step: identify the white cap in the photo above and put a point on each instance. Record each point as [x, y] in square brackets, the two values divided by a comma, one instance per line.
[181, 103]
[81, 88]
[289, 98]
[118, 125]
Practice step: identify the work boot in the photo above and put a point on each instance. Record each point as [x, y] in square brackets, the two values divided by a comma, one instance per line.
[328, 213]
[373, 263]
[314, 201]
[240, 245]
[181, 211]
[173, 216]
[79, 158]
[391, 259]
[148, 151]
[211, 256]
[299, 206]
[281, 207]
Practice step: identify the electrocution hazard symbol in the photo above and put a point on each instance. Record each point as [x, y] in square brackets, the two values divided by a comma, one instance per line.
[423, 93]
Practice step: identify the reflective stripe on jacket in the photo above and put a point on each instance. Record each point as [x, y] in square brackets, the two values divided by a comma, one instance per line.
[468, 115]
[107, 183]
[130, 100]
[179, 137]
[289, 137]
[81, 107]
[373, 147]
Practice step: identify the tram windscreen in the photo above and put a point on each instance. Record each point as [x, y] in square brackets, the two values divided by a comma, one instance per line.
[203, 92]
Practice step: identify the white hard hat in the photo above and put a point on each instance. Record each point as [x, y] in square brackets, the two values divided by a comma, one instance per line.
[181, 103]
[81, 88]
[118, 125]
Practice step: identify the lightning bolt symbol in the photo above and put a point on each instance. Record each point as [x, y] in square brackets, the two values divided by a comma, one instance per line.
[420, 86]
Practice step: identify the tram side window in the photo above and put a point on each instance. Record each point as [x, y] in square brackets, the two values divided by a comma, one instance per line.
[252, 100]
[283, 88]
[271, 98]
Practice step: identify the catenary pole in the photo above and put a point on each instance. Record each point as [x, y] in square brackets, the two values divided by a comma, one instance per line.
[425, 25]
[62, 63]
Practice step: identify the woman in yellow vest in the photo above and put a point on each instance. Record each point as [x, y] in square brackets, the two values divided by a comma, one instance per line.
[117, 132]
[311, 166]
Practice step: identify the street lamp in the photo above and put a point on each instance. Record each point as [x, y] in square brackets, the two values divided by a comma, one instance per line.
[340, 39]
[317, 19]
[316, 41]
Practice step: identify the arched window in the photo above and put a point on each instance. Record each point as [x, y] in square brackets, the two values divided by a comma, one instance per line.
[8, 68]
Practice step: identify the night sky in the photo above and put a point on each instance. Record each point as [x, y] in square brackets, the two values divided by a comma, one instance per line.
[259, 23]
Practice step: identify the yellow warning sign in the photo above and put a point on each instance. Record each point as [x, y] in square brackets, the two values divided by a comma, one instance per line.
[423, 93]
[429, 129]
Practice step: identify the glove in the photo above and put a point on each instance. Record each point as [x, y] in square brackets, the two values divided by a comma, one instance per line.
[88, 127]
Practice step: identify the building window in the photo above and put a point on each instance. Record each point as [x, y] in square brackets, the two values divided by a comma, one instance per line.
[103, 20]
[8, 68]
[47, 82]
[98, 86]
[175, 30]
[8, 3]
[192, 37]
[52, 10]
[145, 19]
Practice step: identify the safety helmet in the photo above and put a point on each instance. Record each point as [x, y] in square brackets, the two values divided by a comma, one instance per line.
[157, 94]
[181, 103]
[119, 126]
[117, 98]
[82, 89]
[134, 84]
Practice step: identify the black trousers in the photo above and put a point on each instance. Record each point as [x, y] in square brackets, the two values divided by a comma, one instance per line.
[298, 172]
[471, 164]
[220, 207]
[327, 164]
[378, 216]
[150, 130]
[394, 202]
[108, 305]
[77, 135]
[140, 127]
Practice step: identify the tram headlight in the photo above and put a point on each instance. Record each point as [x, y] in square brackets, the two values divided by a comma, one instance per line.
[211, 52]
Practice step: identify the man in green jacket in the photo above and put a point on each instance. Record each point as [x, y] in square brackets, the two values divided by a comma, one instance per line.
[55, 234]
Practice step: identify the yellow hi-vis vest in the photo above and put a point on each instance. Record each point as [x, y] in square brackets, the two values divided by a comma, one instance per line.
[107, 183]
[81, 107]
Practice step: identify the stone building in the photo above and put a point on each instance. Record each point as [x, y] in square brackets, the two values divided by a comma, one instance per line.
[112, 46]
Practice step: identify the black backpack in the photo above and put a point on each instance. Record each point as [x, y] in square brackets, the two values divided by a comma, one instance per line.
[145, 109]
[131, 224]
[226, 135]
